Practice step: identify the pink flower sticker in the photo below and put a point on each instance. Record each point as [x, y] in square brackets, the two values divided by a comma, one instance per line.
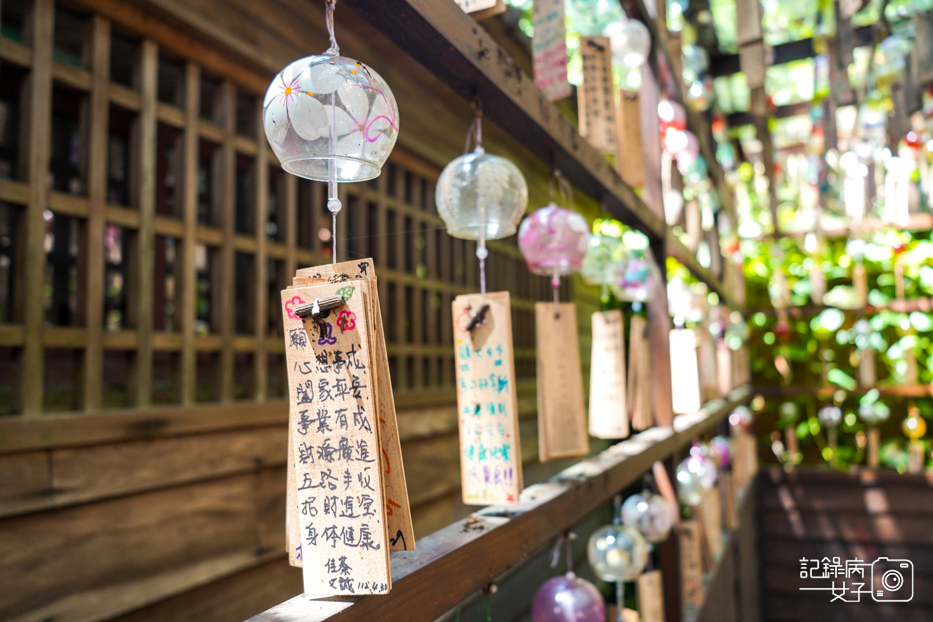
[290, 305]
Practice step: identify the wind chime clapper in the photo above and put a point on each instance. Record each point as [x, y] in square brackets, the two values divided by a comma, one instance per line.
[480, 196]
[331, 118]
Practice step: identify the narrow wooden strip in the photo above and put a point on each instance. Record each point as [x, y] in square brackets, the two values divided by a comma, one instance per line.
[97, 196]
[261, 196]
[149, 74]
[38, 120]
[226, 298]
[189, 176]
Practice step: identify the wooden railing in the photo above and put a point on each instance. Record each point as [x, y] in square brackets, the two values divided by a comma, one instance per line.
[448, 566]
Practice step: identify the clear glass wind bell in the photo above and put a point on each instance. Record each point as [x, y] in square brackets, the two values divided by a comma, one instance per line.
[331, 118]
[480, 196]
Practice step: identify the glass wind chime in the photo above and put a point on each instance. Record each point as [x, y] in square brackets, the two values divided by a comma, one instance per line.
[554, 239]
[331, 118]
[480, 196]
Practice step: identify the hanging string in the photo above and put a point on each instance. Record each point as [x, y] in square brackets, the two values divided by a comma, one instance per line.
[333, 203]
[565, 541]
[475, 132]
[555, 284]
[334, 49]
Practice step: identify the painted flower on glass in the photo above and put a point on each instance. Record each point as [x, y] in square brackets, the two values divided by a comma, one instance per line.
[294, 104]
[363, 122]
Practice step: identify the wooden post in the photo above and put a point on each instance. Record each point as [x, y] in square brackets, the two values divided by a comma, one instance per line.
[227, 307]
[39, 31]
[97, 207]
[261, 194]
[149, 75]
[189, 200]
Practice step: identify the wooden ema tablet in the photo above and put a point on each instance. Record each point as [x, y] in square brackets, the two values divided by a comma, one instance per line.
[561, 414]
[639, 375]
[691, 569]
[608, 402]
[596, 96]
[487, 406]
[398, 510]
[339, 475]
[710, 515]
[549, 49]
[649, 588]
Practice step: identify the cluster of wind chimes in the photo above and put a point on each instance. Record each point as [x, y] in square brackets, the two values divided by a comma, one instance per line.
[347, 497]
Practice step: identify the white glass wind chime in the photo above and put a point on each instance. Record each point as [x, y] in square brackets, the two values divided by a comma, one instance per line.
[331, 118]
[480, 196]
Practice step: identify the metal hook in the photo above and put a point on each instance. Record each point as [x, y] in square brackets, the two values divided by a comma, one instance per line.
[478, 318]
[320, 308]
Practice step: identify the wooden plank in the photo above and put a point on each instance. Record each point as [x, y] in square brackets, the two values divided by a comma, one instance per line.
[145, 286]
[561, 416]
[261, 310]
[93, 365]
[153, 546]
[38, 129]
[189, 199]
[85, 474]
[252, 590]
[26, 478]
[225, 303]
[26, 434]
[479, 549]
[467, 59]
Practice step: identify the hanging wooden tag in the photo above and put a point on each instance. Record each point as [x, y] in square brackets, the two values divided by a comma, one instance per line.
[630, 162]
[691, 569]
[916, 456]
[727, 492]
[561, 414]
[481, 9]
[650, 590]
[338, 471]
[639, 375]
[549, 49]
[711, 515]
[684, 372]
[665, 488]
[608, 402]
[487, 405]
[595, 97]
[397, 505]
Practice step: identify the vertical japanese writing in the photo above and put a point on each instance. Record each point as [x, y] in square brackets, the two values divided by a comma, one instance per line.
[549, 48]
[608, 410]
[338, 471]
[596, 97]
[490, 454]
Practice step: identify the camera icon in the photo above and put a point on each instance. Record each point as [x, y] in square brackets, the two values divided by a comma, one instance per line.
[892, 580]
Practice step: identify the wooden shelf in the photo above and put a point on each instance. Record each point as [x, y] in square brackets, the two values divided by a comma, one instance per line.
[478, 549]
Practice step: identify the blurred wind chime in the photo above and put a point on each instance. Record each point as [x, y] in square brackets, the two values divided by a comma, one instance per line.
[553, 241]
[333, 119]
[482, 197]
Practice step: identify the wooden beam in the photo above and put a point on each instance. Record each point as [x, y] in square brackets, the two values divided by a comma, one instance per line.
[728, 64]
[39, 32]
[145, 280]
[93, 367]
[478, 549]
[225, 312]
[462, 54]
[261, 197]
[189, 201]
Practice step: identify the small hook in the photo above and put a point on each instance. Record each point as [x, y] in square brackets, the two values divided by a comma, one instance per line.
[478, 318]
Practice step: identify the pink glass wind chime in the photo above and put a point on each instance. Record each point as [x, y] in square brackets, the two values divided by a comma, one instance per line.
[553, 239]
[331, 118]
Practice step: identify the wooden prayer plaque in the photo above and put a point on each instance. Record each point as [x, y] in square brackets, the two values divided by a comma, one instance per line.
[549, 49]
[691, 568]
[487, 406]
[596, 96]
[608, 403]
[344, 543]
[650, 590]
[561, 415]
[711, 517]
